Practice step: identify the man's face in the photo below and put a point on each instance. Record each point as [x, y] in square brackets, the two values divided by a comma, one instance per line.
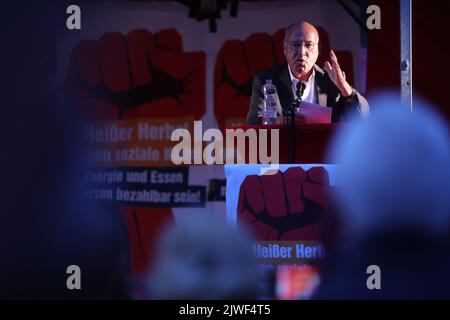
[301, 50]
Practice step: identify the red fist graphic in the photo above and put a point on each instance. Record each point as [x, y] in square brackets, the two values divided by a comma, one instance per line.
[236, 65]
[285, 206]
[137, 75]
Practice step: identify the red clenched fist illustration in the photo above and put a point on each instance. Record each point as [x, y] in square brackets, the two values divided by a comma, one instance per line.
[289, 205]
[236, 65]
[137, 75]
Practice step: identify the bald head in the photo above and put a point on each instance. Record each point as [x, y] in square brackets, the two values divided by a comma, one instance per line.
[301, 48]
[302, 26]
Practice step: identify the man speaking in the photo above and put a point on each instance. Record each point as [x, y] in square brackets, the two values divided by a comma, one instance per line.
[301, 78]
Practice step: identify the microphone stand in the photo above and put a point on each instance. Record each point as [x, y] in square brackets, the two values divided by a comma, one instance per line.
[292, 110]
[289, 116]
[286, 116]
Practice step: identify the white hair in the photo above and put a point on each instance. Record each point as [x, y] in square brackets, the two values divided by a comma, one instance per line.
[201, 257]
[394, 169]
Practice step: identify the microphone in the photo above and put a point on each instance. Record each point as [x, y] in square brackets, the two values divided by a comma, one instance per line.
[300, 90]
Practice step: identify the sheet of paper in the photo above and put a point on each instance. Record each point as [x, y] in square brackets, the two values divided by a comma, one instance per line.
[313, 113]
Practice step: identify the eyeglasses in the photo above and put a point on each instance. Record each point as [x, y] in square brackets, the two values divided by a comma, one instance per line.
[295, 46]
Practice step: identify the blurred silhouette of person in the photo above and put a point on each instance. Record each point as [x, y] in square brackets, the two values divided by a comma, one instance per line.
[46, 224]
[203, 258]
[394, 195]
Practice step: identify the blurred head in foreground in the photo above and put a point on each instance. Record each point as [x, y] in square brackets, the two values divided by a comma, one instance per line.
[204, 258]
[394, 185]
[395, 170]
[46, 222]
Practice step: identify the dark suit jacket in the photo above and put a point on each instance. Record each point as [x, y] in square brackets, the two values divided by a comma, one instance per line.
[327, 94]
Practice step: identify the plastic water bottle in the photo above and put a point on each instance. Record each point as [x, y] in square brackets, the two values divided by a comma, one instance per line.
[269, 112]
